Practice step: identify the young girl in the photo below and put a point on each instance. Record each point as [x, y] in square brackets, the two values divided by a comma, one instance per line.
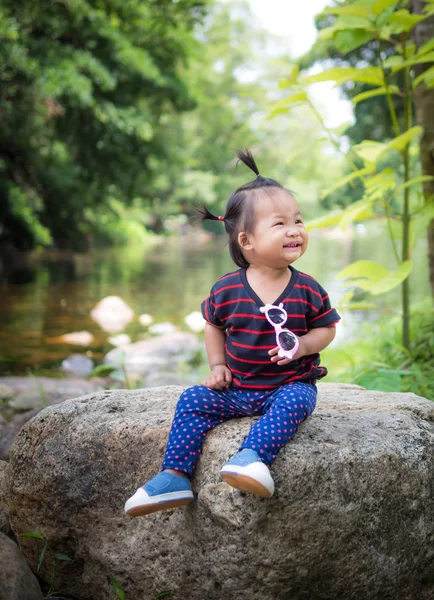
[258, 368]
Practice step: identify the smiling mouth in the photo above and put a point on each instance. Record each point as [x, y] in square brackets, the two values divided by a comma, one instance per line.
[292, 246]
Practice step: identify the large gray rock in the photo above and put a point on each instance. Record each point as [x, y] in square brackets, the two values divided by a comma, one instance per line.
[17, 581]
[352, 517]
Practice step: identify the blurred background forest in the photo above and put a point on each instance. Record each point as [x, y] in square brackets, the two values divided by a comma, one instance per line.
[118, 118]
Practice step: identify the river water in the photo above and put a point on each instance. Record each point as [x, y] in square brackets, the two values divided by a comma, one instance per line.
[168, 281]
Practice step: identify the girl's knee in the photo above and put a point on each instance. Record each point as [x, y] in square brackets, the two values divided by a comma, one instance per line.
[191, 395]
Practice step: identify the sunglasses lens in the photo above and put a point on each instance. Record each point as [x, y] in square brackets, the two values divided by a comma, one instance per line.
[276, 316]
[286, 340]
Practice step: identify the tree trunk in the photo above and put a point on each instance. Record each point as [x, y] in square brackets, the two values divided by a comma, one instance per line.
[424, 105]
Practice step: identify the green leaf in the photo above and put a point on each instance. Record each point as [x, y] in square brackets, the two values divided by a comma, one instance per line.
[117, 588]
[381, 5]
[102, 370]
[370, 75]
[402, 20]
[347, 179]
[373, 277]
[60, 556]
[429, 45]
[420, 223]
[401, 142]
[358, 211]
[370, 151]
[354, 10]
[381, 91]
[285, 105]
[414, 181]
[350, 39]
[33, 534]
[41, 557]
[414, 60]
[427, 77]
[383, 381]
[330, 219]
[344, 74]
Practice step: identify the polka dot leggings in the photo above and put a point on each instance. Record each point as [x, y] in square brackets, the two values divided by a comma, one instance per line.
[199, 409]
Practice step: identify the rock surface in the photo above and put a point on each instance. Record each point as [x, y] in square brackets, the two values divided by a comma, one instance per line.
[17, 581]
[352, 517]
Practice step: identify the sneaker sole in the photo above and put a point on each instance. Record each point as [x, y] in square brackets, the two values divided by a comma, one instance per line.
[147, 509]
[246, 484]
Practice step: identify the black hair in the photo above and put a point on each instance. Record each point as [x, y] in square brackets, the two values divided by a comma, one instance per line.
[239, 214]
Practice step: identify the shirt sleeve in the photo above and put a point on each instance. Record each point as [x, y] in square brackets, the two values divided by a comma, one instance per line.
[210, 313]
[326, 315]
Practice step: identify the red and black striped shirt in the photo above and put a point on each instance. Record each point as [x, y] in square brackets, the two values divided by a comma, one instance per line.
[233, 306]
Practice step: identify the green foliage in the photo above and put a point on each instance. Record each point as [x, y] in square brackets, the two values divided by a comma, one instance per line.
[386, 190]
[54, 557]
[379, 361]
[84, 88]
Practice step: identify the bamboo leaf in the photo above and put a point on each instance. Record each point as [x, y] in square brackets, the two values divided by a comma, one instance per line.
[399, 143]
[370, 75]
[370, 151]
[381, 91]
[354, 10]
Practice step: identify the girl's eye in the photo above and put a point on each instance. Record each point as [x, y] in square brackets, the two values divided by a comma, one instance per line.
[299, 221]
[279, 223]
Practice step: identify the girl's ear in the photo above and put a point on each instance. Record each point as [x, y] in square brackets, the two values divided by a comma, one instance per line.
[244, 241]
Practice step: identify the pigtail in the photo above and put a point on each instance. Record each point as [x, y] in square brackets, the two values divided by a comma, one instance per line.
[207, 215]
[246, 158]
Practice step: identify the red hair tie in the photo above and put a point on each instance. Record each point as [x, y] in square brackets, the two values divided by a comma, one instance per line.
[221, 218]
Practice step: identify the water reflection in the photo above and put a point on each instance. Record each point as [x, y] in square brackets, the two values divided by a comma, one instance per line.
[167, 282]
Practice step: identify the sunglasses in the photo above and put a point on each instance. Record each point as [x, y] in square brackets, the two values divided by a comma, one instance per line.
[286, 341]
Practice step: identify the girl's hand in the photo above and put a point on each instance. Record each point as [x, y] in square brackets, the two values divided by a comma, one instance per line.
[220, 378]
[284, 361]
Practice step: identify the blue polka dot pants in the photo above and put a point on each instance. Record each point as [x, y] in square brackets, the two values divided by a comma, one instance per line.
[199, 409]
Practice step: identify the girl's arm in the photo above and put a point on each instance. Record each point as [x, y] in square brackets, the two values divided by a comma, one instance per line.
[314, 341]
[220, 377]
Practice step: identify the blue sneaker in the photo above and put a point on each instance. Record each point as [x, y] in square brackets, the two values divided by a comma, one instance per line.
[162, 492]
[245, 471]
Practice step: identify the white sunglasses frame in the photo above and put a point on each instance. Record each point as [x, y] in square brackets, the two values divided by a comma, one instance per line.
[278, 329]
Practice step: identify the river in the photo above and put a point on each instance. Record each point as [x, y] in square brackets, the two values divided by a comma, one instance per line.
[56, 292]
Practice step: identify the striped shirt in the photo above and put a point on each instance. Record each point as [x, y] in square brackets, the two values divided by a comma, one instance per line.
[233, 306]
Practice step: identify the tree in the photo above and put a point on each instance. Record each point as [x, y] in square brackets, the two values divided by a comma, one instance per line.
[85, 84]
[423, 34]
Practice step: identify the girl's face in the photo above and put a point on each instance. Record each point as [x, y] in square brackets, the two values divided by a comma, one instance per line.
[279, 237]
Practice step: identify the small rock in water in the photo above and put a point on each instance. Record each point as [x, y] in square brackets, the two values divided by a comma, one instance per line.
[76, 338]
[146, 320]
[112, 314]
[5, 392]
[195, 321]
[120, 340]
[77, 365]
[162, 328]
